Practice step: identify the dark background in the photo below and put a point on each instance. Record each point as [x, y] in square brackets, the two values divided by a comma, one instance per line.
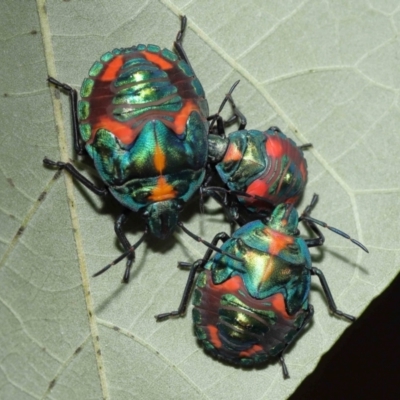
[365, 362]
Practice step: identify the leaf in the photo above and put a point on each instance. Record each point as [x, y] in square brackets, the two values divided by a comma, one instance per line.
[325, 73]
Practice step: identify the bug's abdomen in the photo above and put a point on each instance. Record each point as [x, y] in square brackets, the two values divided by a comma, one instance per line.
[238, 328]
[129, 87]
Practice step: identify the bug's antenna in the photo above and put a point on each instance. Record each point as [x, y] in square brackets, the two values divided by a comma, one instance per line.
[305, 216]
[122, 256]
[208, 244]
[226, 98]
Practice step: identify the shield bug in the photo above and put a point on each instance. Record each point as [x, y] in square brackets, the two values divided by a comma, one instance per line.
[261, 169]
[248, 312]
[142, 118]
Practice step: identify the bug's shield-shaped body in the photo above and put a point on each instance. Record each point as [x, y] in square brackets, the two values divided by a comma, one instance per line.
[248, 312]
[143, 118]
[266, 164]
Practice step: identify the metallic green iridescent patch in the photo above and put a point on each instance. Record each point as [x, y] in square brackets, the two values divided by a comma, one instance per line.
[277, 349]
[201, 280]
[169, 55]
[208, 345]
[185, 68]
[141, 47]
[106, 57]
[139, 74]
[153, 48]
[116, 51]
[86, 131]
[196, 316]
[144, 93]
[200, 333]
[126, 113]
[197, 297]
[136, 61]
[197, 87]
[83, 110]
[105, 139]
[87, 87]
[96, 68]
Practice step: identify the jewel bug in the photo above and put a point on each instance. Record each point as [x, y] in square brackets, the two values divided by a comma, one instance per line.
[248, 312]
[260, 168]
[142, 118]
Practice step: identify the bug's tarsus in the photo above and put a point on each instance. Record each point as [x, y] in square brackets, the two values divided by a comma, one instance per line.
[77, 175]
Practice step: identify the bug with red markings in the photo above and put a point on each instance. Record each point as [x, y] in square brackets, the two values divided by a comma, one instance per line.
[258, 169]
[250, 312]
[142, 118]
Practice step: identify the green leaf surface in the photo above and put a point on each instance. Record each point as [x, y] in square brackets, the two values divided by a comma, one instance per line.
[324, 72]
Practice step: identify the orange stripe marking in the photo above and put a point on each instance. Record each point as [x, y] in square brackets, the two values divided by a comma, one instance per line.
[163, 191]
[112, 70]
[278, 241]
[233, 153]
[253, 350]
[182, 116]
[158, 60]
[274, 147]
[123, 132]
[213, 333]
[278, 302]
[159, 159]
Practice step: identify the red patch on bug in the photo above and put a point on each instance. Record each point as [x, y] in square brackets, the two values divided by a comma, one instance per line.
[278, 302]
[230, 286]
[123, 132]
[183, 115]
[158, 60]
[256, 348]
[274, 147]
[112, 69]
[303, 170]
[257, 188]
[232, 153]
[213, 334]
[279, 241]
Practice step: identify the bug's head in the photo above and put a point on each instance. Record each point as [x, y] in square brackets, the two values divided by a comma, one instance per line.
[162, 217]
[284, 219]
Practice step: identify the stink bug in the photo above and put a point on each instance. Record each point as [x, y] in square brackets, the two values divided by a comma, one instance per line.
[261, 168]
[248, 312]
[142, 118]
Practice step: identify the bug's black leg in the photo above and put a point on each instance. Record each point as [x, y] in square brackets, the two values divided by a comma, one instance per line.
[191, 280]
[237, 114]
[77, 175]
[319, 240]
[125, 242]
[305, 146]
[186, 294]
[73, 100]
[328, 294]
[178, 46]
[284, 367]
[220, 130]
[306, 321]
